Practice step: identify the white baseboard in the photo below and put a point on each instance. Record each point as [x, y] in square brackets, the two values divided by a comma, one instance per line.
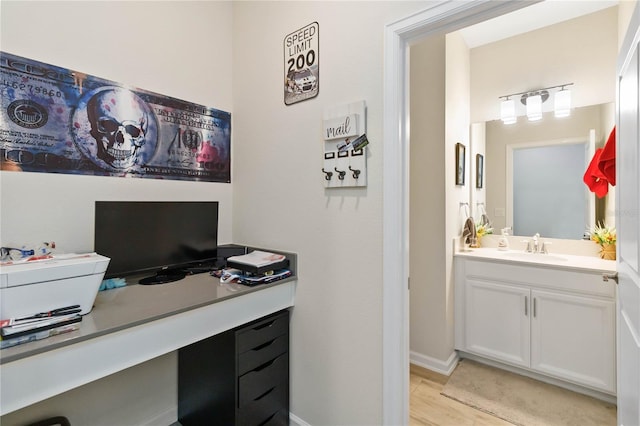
[297, 421]
[433, 364]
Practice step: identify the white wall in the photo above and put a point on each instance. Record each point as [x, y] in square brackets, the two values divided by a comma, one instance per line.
[179, 49]
[580, 51]
[157, 48]
[280, 201]
[141, 395]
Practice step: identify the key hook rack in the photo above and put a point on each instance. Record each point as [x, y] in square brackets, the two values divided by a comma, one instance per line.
[327, 175]
[344, 162]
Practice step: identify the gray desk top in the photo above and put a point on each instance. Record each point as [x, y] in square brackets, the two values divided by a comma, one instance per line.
[121, 308]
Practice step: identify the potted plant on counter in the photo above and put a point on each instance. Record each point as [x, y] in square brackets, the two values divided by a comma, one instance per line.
[482, 229]
[605, 236]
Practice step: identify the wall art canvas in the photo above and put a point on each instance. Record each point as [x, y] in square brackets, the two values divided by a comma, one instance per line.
[58, 120]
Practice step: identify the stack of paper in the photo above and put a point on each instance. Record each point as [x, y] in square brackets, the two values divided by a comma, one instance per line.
[258, 262]
[16, 331]
[257, 258]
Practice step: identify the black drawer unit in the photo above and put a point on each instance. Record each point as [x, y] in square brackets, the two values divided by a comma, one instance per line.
[262, 348]
[239, 377]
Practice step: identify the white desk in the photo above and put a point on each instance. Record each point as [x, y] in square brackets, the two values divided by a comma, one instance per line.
[131, 325]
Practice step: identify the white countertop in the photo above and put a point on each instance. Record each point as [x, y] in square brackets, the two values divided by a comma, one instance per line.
[561, 261]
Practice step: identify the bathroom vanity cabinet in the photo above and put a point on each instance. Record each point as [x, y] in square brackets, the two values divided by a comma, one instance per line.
[548, 319]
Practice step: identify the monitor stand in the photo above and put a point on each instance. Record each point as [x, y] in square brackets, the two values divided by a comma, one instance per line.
[202, 267]
[163, 277]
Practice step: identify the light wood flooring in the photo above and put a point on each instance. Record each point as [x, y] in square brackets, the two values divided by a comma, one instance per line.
[428, 407]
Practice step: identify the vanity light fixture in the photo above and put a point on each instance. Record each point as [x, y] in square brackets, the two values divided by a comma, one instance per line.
[562, 103]
[508, 111]
[533, 101]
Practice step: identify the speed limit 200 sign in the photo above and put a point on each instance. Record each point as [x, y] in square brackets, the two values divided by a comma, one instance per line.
[301, 64]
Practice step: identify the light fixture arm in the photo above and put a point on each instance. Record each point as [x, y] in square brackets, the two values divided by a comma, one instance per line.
[528, 92]
[533, 100]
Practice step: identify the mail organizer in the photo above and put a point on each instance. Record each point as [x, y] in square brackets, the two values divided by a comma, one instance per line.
[345, 153]
[238, 377]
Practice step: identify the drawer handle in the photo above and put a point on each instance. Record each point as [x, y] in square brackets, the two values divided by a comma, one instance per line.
[269, 419]
[265, 365]
[264, 345]
[264, 394]
[267, 325]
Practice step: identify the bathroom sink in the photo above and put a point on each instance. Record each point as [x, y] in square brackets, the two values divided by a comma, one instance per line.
[538, 257]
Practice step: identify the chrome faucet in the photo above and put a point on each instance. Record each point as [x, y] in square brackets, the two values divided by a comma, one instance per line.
[536, 243]
[544, 248]
[533, 245]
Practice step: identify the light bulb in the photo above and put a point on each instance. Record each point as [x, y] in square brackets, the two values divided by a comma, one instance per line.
[562, 103]
[508, 111]
[534, 107]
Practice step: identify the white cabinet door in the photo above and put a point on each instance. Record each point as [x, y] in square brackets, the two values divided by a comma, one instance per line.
[497, 321]
[573, 338]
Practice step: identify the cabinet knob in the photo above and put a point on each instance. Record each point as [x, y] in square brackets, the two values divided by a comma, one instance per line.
[612, 277]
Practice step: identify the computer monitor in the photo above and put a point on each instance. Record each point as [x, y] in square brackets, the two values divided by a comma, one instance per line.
[161, 238]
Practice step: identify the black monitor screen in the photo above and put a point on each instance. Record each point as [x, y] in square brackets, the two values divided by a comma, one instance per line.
[152, 236]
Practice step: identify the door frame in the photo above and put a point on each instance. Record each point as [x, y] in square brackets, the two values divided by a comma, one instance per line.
[441, 17]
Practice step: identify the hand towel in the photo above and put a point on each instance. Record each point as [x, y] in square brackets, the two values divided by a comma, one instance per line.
[469, 230]
[594, 178]
[607, 162]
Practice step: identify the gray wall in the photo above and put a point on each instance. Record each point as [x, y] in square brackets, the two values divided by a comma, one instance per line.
[427, 249]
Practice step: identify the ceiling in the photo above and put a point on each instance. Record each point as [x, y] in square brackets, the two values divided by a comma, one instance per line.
[530, 18]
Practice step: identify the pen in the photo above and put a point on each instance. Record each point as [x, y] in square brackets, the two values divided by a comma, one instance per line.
[41, 316]
[56, 312]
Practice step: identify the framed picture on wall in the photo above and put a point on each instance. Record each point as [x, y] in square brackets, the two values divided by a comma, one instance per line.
[479, 170]
[460, 150]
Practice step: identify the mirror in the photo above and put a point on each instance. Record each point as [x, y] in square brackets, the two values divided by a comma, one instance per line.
[567, 51]
[534, 171]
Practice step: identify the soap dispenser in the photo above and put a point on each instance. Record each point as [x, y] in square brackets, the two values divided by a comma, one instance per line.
[503, 243]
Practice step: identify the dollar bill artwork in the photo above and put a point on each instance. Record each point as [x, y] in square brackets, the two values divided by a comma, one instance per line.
[63, 121]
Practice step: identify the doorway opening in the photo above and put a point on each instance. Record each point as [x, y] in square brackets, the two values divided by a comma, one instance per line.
[439, 19]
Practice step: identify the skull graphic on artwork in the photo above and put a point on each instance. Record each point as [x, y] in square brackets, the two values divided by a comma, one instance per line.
[119, 122]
